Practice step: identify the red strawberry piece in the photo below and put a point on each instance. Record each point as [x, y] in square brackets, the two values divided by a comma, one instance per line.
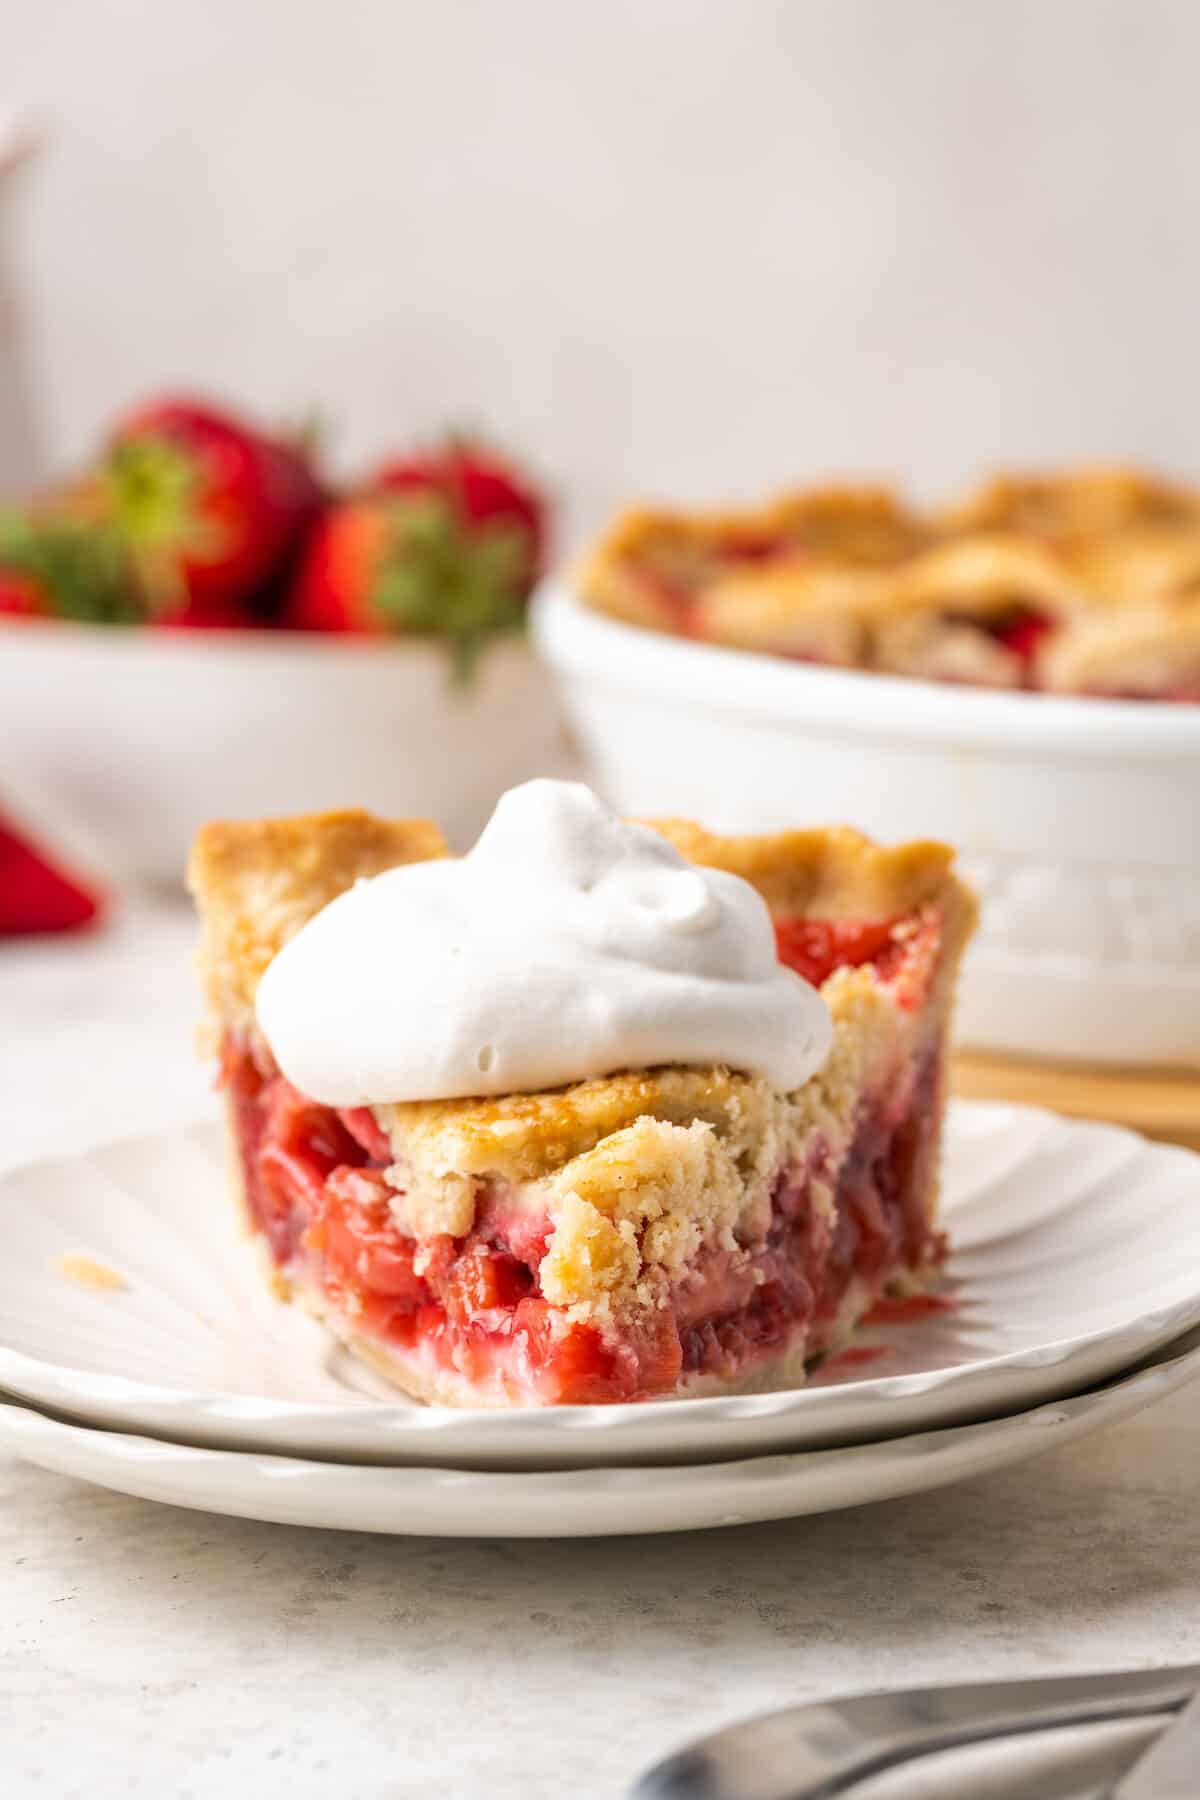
[1022, 632]
[361, 1240]
[208, 506]
[814, 948]
[485, 1281]
[34, 895]
[367, 1133]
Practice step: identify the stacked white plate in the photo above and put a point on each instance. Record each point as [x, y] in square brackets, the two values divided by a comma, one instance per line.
[168, 1372]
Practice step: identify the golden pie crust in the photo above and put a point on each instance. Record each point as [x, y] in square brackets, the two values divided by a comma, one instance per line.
[257, 881]
[1072, 505]
[1130, 651]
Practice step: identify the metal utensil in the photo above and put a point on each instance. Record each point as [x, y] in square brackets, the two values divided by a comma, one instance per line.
[1170, 1769]
[812, 1752]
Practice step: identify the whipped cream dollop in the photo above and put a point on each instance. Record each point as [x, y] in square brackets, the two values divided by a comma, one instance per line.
[567, 944]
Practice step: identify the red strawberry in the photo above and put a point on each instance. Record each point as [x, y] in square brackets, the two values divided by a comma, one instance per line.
[442, 546]
[22, 595]
[208, 507]
[339, 572]
[34, 896]
[481, 487]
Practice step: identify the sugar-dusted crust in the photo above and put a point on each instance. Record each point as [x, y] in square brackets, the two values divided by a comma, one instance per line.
[649, 559]
[809, 607]
[257, 881]
[522, 1136]
[984, 574]
[1071, 504]
[927, 623]
[1149, 649]
[861, 525]
[1151, 563]
[831, 872]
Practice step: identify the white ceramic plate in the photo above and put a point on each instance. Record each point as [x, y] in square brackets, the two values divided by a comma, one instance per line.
[1077, 1252]
[606, 1502]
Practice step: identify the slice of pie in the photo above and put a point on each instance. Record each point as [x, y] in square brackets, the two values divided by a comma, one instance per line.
[660, 1231]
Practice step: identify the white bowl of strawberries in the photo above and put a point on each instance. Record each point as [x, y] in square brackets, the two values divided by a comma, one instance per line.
[198, 628]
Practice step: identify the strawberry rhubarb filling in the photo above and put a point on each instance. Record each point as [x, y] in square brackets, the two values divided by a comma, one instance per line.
[325, 1189]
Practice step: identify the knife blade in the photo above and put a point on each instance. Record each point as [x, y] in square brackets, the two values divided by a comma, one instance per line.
[1170, 1768]
[812, 1752]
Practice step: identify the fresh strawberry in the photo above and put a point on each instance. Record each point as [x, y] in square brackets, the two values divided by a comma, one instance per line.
[208, 507]
[34, 895]
[483, 490]
[341, 569]
[22, 596]
[441, 546]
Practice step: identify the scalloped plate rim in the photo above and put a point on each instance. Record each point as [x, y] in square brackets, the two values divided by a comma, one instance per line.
[542, 1503]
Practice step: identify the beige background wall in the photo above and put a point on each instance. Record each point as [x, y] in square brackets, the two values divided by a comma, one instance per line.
[679, 245]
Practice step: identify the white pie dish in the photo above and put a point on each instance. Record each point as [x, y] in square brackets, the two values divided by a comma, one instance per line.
[1077, 1254]
[120, 743]
[1077, 819]
[558, 1503]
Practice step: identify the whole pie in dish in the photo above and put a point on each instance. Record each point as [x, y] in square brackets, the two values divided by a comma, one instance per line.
[657, 1231]
[1082, 582]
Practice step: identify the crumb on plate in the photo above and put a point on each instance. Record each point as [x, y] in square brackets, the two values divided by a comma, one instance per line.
[91, 1274]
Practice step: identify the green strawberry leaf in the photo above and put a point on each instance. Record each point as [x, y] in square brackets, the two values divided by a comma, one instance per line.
[445, 579]
[81, 565]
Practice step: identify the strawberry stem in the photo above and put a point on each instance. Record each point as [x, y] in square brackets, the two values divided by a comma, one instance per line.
[80, 565]
[444, 579]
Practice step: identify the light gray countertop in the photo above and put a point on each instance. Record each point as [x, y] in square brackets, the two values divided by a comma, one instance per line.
[147, 1651]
